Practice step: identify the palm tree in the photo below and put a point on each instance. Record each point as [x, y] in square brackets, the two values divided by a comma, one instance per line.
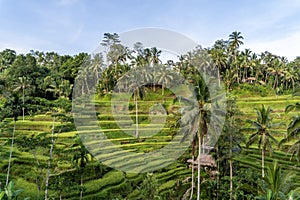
[10, 193]
[13, 105]
[22, 84]
[235, 40]
[277, 70]
[96, 66]
[230, 139]
[276, 185]
[155, 53]
[245, 62]
[164, 77]
[196, 120]
[263, 131]
[220, 60]
[50, 157]
[81, 159]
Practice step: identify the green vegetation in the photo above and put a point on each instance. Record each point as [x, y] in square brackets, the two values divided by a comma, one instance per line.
[43, 156]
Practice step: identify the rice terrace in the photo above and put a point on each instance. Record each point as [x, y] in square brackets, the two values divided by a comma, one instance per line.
[219, 121]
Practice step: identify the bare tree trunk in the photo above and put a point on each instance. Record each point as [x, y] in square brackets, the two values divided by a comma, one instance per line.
[231, 171]
[81, 184]
[136, 117]
[199, 155]
[193, 170]
[10, 152]
[23, 109]
[263, 163]
[49, 162]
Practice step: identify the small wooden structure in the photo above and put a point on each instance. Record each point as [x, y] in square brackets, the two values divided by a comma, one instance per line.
[206, 160]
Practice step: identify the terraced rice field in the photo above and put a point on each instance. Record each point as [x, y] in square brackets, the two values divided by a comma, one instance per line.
[101, 181]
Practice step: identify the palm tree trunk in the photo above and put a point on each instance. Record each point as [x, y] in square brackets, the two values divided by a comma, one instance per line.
[199, 154]
[23, 109]
[219, 77]
[81, 184]
[49, 162]
[10, 153]
[263, 163]
[231, 170]
[193, 170]
[136, 117]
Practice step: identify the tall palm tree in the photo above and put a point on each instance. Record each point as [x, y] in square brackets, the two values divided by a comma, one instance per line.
[21, 85]
[230, 139]
[81, 158]
[12, 105]
[164, 77]
[277, 70]
[220, 60]
[155, 53]
[235, 40]
[196, 119]
[50, 157]
[263, 133]
[245, 62]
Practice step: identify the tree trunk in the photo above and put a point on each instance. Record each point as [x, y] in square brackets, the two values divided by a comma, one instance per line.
[136, 116]
[81, 184]
[219, 77]
[263, 163]
[10, 152]
[199, 155]
[231, 170]
[49, 162]
[23, 109]
[193, 170]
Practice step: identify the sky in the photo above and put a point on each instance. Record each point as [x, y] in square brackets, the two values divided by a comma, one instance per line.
[74, 26]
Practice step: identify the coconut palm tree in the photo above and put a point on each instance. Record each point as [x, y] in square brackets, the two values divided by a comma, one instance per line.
[21, 85]
[276, 184]
[196, 118]
[230, 139]
[277, 70]
[164, 77]
[235, 40]
[262, 128]
[220, 60]
[81, 158]
[13, 105]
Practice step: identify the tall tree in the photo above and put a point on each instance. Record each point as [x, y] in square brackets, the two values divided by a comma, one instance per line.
[262, 128]
[22, 83]
[229, 142]
[13, 105]
[81, 158]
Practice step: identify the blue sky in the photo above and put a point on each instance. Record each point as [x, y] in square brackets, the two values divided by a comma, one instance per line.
[73, 26]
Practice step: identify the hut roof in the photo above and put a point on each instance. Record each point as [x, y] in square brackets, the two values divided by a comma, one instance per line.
[205, 160]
